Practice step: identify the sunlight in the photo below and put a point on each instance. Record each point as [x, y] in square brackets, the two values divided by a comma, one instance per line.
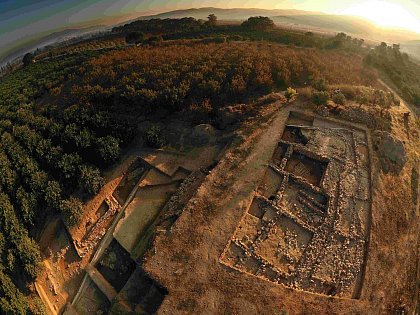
[385, 14]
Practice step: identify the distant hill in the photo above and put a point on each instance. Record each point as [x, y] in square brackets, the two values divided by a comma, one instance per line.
[226, 14]
[29, 45]
[305, 20]
[294, 19]
[334, 23]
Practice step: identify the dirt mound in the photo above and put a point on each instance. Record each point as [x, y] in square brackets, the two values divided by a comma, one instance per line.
[391, 151]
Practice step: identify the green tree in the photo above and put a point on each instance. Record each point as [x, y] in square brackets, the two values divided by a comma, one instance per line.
[12, 301]
[211, 20]
[108, 148]
[2, 244]
[258, 23]
[154, 137]
[72, 210]
[339, 98]
[28, 254]
[68, 166]
[320, 97]
[90, 179]
[134, 37]
[53, 194]
[37, 307]
[27, 205]
[28, 59]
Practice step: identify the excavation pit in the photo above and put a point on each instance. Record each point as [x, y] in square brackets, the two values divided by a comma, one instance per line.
[93, 301]
[285, 244]
[295, 135]
[116, 265]
[270, 184]
[142, 293]
[104, 207]
[280, 153]
[306, 204]
[305, 167]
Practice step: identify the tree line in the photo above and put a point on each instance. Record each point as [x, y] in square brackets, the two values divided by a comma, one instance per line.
[397, 66]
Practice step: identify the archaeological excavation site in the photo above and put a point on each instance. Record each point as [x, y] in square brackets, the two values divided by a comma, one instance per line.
[284, 214]
[209, 161]
[308, 224]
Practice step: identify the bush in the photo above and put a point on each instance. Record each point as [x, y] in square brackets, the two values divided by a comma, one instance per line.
[320, 97]
[290, 94]
[349, 91]
[154, 137]
[219, 39]
[37, 307]
[339, 98]
[258, 23]
[320, 85]
[53, 194]
[90, 179]
[154, 40]
[199, 113]
[236, 38]
[28, 59]
[108, 149]
[72, 210]
[29, 255]
[134, 37]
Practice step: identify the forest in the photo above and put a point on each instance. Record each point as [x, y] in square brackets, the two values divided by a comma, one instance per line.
[64, 120]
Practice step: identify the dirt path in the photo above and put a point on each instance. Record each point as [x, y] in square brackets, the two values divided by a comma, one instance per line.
[415, 111]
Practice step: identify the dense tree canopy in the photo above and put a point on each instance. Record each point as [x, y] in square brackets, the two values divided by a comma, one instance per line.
[211, 20]
[134, 37]
[258, 23]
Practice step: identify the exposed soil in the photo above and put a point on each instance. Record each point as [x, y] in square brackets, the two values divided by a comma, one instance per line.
[374, 241]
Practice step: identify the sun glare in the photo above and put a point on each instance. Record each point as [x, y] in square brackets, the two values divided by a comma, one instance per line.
[385, 14]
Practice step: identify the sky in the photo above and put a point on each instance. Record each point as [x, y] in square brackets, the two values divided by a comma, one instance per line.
[23, 19]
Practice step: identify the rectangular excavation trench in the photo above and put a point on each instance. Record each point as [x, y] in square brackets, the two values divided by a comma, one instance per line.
[306, 167]
[291, 205]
